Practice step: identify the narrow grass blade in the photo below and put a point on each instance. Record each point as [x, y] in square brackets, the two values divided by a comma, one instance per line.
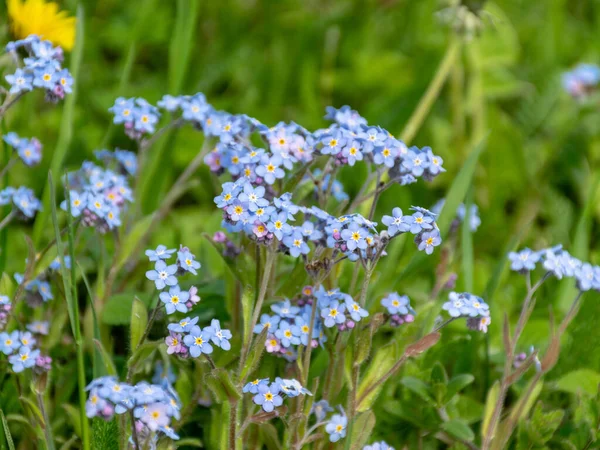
[7, 435]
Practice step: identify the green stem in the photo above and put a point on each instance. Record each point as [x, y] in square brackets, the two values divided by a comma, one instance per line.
[271, 255]
[432, 93]
[8, 219]
[47, 426]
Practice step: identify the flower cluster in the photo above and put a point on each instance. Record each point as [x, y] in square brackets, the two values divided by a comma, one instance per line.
[421, 223]
[19, 347]
[42, 69]
[165, 276]
[557, 262]
[25, 203]
[470, 306]
[29, 150]
[186, 338]
[99, 195]
[154, 406]
[461, 213]
[582, 80]
[399, 309]
[137, 116]
[269, 395]
[289, 326]
[248, 208]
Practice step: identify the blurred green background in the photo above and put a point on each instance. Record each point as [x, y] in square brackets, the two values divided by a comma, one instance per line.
[288, 59]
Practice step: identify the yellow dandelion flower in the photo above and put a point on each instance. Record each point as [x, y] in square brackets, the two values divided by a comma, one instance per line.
[44, 19]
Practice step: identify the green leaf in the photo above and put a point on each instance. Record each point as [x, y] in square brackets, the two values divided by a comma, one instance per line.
[143, 352]
[139, 321]
[458, 429]
[382, 361]
[35, 410]
[542, 425]
[579, 381]
[73, 414]
[362, 429]
[269, 436]
[190, 442]
[255, 354]
[9, 439]
[7, 287]
[229, 387]
[490, 403]
[109, 367]
[457, 384]
[419, 387]
[247, 304]
[438, 374]
[524, 404]
[105, 435]
[65, 135]
[117, 310]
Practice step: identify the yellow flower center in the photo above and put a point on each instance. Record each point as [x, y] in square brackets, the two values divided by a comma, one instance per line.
[270, 168]
[305, 329]
[175, 299]
[339, 428]
[333, 312]
[199, 341]
[269, 397]
[333, 142]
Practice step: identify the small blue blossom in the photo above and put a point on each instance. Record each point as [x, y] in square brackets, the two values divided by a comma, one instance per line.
[336, 427]
[285, 309]
[270, 322]
[286, 334]
[24, 359]
[334, 314]
[395, 223]
[162, 275]
[20, 81]
[320, 409]
[219, 336]
[161, 252]
[268, 397]
[252, 386]
[397, 304]
[175, 300]
[524, 260]
[187, 261]
[198, 341]
[9, 342]
[428, 241]
[184, 325]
